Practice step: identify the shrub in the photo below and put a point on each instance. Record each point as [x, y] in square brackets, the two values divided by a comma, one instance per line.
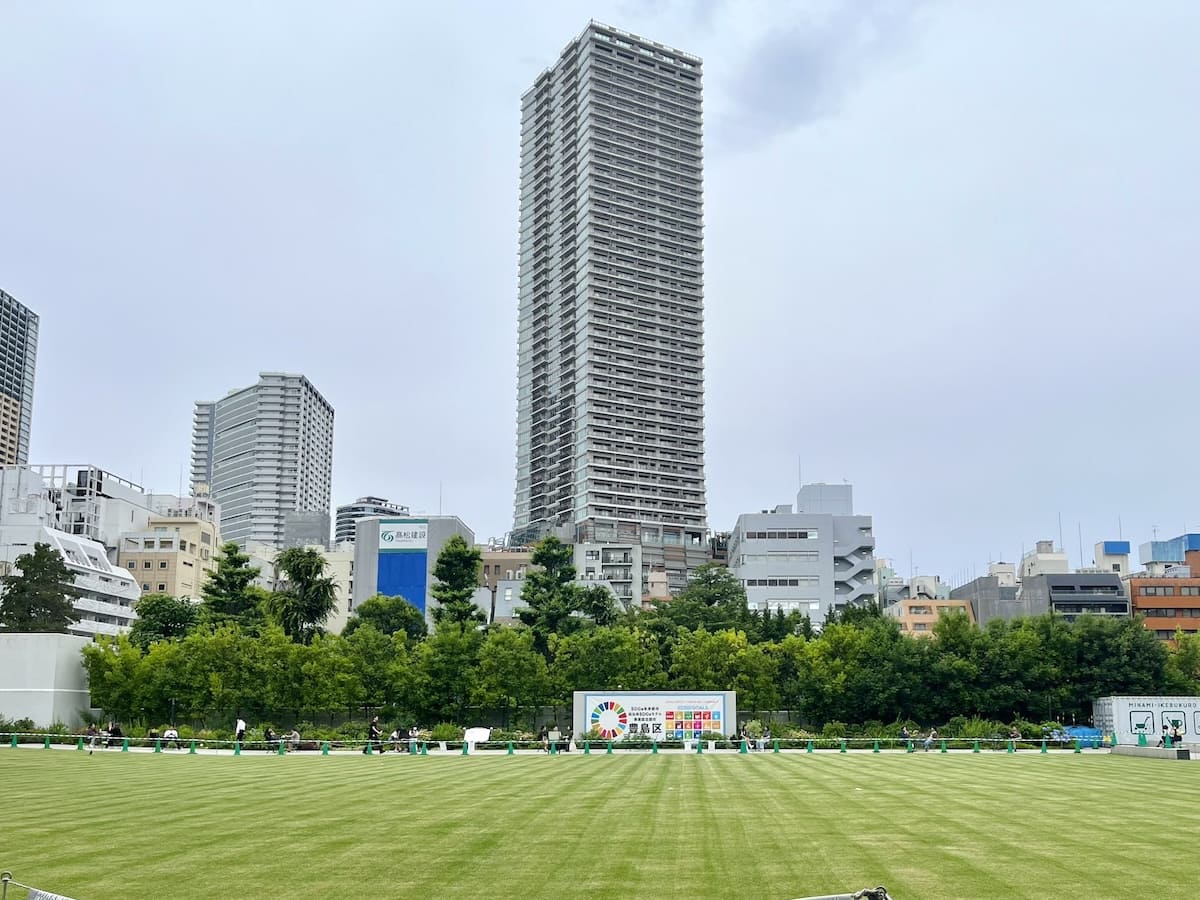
[834, 730]
[445, 731]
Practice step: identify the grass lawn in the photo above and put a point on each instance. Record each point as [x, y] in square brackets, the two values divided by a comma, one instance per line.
[130, 825]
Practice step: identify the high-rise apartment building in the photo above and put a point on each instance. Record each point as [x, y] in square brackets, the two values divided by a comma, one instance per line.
[18, 358]
[265, 454]
[610, 397]
[362, 508]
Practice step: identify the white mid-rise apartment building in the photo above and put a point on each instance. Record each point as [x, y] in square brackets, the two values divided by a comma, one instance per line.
[33, 510]
[265, 453]
[610, 397]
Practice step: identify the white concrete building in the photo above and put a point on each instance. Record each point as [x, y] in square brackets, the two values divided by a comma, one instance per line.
[362, 508]
[814, 560]
[1044, 559]
[107, 592]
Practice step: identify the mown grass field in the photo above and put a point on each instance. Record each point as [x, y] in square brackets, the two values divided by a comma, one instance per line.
[927, 826]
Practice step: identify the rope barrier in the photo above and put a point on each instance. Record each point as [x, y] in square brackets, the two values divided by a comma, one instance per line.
[286, 745]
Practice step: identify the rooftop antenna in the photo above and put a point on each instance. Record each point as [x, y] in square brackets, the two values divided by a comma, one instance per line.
[439, 498]
[1060, 537]
[1120, 536]
[1079, 525]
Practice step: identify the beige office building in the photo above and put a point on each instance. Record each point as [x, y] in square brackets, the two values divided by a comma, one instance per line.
[177, 550]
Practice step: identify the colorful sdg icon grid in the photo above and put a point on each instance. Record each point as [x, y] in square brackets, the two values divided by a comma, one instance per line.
[686, 723]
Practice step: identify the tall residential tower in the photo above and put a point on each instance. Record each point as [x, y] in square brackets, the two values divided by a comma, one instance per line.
[610, 395]
[18, 358]
[265, 453]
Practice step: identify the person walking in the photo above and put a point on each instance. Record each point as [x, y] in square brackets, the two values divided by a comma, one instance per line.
[374, 733]
[239, 730]
[92, 736]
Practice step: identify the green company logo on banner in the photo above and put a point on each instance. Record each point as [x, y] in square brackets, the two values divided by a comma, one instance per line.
[403, 534]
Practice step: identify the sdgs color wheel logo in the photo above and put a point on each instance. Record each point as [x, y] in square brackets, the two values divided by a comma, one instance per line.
[610, 719]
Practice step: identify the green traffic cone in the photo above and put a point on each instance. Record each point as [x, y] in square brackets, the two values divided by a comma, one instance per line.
[367, 749]
[412, 748]
[1012, 747]
[809, 747]
[1078, 750]
[46, 743]
[699, 746]
[157, 746]
[587, 748]
[1142, 742]
[1114, 740]
[943, 750]
[510, 748]
[237, 748]
[843, 749]
[282, 751]
[79, 744]
[608, 752]
[875, 749]
[744, 748]
[424, 748]
[13, 742]
[776, 750]
[975, 749]
[466, 749]
[654, 748]
[1166, 737]
[125, 745]
[1044, 745]
[911, 748]
[325, 749]
[192, 748]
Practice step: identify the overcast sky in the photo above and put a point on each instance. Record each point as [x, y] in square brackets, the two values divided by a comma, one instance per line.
[951, 248]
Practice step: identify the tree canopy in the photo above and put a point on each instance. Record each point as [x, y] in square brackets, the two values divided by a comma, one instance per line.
[390, 615]
[38, 595]
[457, 574]
[162, 617]
[229, 595]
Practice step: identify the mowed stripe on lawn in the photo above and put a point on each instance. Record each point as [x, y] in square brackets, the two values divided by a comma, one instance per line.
[711, 825]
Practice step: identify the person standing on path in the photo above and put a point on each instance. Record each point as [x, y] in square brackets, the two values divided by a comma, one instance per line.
[239, 730]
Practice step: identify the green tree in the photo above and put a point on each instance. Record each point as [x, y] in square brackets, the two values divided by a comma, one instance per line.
[713, 600]
[37, 596]
[162, 617]
[116, 676]
[229, 595]
[307, 596]
[457, 574]
[597, 603]
[550, 594]
[444, 676]
[726, 661]
[511, 673]
[391, 615]
[616, 658]
[380, 666]
[1183, 664]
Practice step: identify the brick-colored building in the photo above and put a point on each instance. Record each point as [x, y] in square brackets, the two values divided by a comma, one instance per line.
[1169, 602]
[918, 615]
